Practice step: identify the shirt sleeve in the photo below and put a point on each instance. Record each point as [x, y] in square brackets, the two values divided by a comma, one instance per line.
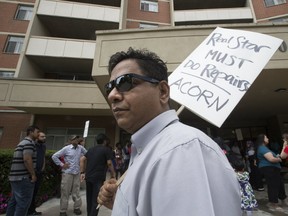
[286, 150]
[56, 157]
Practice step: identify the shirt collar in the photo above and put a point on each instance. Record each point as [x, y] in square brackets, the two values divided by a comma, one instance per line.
[144, 135]
[72, 146]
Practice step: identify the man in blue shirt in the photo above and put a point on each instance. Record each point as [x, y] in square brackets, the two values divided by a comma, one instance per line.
[70, 174]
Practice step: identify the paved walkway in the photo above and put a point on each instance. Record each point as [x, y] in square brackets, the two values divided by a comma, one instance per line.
[51, 207]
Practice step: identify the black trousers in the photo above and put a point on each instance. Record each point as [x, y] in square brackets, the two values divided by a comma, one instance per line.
[92, 191]
[32, 207]
[255, 177]
[275, 183]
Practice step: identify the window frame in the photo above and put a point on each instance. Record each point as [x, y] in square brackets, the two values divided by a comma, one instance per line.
[149, 6]
[7, 74]
[271, 3]
[24, 12]
[147, 25]
[14, 44]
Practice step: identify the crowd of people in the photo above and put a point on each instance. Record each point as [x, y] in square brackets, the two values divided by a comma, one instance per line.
[154, 160]
[76, 164]
[260, 162]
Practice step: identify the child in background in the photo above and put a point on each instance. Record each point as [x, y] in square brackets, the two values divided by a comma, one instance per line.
[248, 200]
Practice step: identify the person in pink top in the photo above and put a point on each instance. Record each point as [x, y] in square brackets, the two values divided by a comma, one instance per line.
[284, 152]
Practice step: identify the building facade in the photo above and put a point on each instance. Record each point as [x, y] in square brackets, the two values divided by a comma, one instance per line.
[53, 61]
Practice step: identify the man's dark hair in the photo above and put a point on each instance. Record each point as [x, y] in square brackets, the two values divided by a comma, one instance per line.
[150, 63]
[100, 138]
[31, 128]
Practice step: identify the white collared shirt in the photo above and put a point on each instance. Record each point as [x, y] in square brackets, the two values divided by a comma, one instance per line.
[176, 169]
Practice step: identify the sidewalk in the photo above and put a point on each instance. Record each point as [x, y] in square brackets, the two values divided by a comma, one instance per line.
[51, 207]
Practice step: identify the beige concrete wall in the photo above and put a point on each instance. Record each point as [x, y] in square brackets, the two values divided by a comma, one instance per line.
[51, 96]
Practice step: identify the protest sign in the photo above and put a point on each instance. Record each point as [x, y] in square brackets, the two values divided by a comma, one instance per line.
[215, 76]
[85, 134]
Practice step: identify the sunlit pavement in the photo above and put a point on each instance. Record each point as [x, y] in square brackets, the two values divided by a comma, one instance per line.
[51, 207]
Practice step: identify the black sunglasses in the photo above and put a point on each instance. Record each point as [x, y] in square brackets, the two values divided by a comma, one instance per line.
[125, 82]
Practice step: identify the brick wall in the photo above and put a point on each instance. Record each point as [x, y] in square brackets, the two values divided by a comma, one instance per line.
[134, 13]
[262, 12]
[13, 125]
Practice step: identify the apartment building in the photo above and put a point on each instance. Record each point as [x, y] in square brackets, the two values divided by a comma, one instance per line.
[53, 62]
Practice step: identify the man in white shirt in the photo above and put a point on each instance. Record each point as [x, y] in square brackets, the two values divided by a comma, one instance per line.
[174, 169]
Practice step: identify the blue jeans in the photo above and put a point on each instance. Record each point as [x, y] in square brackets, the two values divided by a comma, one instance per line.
[22, 193]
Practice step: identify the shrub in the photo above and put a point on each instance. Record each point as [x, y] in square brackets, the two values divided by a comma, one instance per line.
[50, 183]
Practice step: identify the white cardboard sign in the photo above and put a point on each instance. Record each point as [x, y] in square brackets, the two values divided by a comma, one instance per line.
[215, 76]
[85, 134]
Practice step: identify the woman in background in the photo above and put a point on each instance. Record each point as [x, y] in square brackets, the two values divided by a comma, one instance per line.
[269, 166]
[284, 152]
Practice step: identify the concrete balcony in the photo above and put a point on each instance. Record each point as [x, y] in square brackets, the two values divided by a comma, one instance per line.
[53, 97]
[210, 15]
[60, 47]
[67, 19]
[79, 10]
[57, 55]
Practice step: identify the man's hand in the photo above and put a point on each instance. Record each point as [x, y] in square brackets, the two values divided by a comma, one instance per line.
[33, 178]
[66, 166]
[82, 177]
[107, 193]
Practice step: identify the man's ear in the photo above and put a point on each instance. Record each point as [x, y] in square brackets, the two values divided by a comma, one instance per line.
[164, 91]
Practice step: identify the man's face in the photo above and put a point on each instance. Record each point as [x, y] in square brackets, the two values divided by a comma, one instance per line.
[35, 134]
[75, 142]
[41, 137]
[134, 108]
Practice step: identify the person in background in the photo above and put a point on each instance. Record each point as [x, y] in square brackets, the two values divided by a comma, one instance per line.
[118, 160]
[40, 166]
[248, 200]
[225, 148]
[126, 155]
[255, 175]
[82, 141]
[93, 166]
[284, 152]
[269, 166]
[158, 181]
[70, 182]
[22, 175]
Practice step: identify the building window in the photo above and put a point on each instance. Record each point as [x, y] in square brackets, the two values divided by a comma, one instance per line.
[269, 3]
[151, 6]
[14, 44]
[24, 12]
[57, 137]
[7, 74]
[147, 25]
